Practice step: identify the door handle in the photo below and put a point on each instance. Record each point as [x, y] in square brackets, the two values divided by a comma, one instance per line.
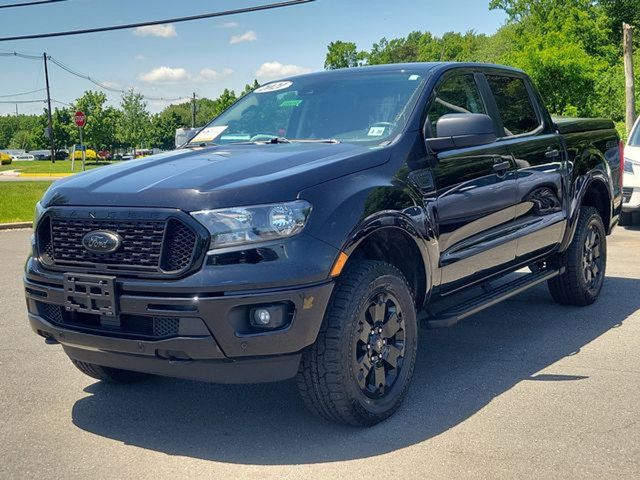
[501, 167]
[552, 153]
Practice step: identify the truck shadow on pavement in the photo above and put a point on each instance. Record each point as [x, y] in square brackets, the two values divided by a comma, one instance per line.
[459, 371]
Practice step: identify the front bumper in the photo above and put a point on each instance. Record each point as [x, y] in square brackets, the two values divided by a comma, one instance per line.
[212, 343]
[631, 199]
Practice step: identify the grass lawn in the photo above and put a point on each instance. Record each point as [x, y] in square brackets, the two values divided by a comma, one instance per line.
[18, 199]
[42, 166]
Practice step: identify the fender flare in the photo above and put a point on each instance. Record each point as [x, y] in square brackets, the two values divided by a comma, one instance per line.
[398, 222]
[583, 184]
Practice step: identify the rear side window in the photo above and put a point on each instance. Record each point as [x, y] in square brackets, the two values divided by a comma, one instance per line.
[514, 104]
[457, 94]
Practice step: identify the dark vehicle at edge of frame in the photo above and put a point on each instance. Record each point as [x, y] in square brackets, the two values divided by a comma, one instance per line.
[310, 228]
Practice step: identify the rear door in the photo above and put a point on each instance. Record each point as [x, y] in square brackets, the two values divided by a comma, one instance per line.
[476, 190]
[529, 135]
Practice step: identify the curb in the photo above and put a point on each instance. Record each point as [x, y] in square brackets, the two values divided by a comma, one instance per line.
[11, 226]
[52, 175]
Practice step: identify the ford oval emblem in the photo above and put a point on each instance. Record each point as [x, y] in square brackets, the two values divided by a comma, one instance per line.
[101, 241]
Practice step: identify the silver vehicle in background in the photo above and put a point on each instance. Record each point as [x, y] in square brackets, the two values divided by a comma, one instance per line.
[631, 181]
[183, 135]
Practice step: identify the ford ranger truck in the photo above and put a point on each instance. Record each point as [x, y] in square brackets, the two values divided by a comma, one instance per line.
[310, 228]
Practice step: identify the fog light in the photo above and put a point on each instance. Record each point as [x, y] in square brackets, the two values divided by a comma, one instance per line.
[262, 316]
[269, 317]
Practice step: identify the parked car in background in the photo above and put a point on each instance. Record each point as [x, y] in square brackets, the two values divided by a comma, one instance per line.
[62, 154]
[631, 188]
[5, 159]
[41, 154]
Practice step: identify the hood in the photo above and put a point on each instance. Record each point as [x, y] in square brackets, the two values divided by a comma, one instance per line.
[215, 177]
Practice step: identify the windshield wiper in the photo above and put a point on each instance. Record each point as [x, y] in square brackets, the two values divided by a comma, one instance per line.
[276, 140]
[317, 140]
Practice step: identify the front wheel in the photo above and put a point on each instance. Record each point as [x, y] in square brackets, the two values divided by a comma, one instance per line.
[361, 365]
[584, 262]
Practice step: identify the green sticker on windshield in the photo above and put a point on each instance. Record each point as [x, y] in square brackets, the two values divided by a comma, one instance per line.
[290, 103]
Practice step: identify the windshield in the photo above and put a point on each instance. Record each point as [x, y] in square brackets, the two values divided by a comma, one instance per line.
[363, 108]
[634, 138]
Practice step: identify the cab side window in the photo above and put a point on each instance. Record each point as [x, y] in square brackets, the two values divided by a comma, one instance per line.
[514, 104]
[457, 94]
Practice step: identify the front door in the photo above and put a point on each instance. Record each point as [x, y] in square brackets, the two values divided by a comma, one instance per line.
[476, 192]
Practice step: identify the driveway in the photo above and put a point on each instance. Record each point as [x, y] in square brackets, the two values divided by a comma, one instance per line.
[526, 389]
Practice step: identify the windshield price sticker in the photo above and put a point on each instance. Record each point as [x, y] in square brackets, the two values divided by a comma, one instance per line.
[273, 87]
[376, 131]
[209, 133]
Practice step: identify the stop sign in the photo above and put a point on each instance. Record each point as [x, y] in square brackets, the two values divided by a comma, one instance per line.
[80, 119]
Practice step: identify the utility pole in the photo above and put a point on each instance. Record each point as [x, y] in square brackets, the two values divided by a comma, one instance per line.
[193, 110]
[627, 47]
[46, 78]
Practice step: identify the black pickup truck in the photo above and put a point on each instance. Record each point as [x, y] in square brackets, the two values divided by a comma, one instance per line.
[310, 228]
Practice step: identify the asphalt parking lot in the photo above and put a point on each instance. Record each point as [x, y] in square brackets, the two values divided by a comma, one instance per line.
[525, 389]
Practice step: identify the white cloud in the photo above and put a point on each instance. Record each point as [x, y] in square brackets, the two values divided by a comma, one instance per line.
[165, 75]
[270, 70]
[164, 31]
[111, 84]
[249, 36]
[230, 25]
[140, 57]
[169, 75]
[210, 75]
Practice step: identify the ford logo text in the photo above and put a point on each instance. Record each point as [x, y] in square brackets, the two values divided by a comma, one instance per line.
[101, 241]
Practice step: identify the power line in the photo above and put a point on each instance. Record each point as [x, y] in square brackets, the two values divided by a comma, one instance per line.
[22, 93]
[22, 101]
[7, 53]
[28, 4]
[67, 68]
[223, 13]
[102, 85]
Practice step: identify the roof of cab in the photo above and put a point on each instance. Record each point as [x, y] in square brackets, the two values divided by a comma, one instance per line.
[421, 67]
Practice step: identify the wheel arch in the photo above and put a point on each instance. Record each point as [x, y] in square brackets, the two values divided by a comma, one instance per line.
[592, 190]
[393, 239]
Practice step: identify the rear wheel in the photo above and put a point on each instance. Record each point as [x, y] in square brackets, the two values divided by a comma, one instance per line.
[584, 262]
[108, 374]
[361, 365]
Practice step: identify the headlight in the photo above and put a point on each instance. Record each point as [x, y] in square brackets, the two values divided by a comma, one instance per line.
[628, 165]
[39, 210]
[242, 225]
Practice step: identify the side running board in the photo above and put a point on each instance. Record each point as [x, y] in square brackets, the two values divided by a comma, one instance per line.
[458, 312]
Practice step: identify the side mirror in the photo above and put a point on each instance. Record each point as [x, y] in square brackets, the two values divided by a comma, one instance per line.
[459, 130]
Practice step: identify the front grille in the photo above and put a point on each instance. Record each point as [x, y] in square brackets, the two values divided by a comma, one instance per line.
[626, 194]
[141, 242]
[160, 246]
[132, 326]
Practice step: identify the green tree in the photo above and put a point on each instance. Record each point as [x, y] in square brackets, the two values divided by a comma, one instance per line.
[23, 140]
[133, 123]
[100, 129]
[162, 130]
[342, 55]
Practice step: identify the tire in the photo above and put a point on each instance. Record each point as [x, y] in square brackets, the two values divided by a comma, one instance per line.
[339, 376]
[584, 261]
[108, 374]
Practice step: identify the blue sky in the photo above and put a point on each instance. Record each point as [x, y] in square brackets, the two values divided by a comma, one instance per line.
[207, 56]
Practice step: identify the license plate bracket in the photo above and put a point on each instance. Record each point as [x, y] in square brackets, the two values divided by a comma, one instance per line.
[95, 294]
